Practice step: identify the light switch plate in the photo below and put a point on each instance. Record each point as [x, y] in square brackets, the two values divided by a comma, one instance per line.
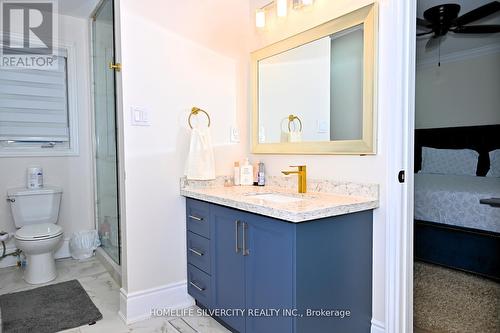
[323, 126]
[234, 135]
[139, 116]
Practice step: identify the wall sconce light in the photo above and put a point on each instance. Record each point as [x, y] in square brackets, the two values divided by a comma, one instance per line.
[281, 10]
[301, 3]
[281, 7]
[260, 18]
[260, 15]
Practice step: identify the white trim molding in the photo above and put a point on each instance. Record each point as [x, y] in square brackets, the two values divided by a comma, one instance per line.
[397, 70]
[377, 326]
[431, 61]
[137, 306]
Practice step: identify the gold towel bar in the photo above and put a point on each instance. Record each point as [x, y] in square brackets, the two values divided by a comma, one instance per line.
[195, 111]
[291, 118]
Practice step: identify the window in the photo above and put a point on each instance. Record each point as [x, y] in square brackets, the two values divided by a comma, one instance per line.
[37, 110]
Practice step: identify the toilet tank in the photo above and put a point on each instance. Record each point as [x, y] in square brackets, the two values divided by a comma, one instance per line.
[34, 206]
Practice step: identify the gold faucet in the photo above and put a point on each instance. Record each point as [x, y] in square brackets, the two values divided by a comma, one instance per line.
[301, 172]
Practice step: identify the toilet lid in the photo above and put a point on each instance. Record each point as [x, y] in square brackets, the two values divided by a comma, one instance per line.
[39, 231]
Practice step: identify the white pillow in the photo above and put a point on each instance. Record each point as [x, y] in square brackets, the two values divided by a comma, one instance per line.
[449, 161]
[494, 164]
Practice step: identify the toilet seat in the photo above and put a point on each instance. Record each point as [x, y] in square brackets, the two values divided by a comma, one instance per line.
[40, 231]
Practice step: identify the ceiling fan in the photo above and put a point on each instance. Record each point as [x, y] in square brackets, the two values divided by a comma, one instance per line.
[444, 18]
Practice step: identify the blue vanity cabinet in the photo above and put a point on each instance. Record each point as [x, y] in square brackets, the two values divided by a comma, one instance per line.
[334, 271]
[269, 273]
[259, 263]
[228, 265]
[199, 279]
[252, 269]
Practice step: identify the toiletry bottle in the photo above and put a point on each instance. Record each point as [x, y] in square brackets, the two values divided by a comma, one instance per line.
[236, 173]
[256, 173]
[34, 177]
[261, 175]
[246, 173]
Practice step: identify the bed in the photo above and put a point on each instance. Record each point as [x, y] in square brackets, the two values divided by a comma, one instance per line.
[452, 227]
[455, 201]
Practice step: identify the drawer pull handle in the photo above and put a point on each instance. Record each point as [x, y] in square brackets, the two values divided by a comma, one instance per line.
[196, 218]
[198, 253]
[244, 236]
[196, 286]
[237, 236]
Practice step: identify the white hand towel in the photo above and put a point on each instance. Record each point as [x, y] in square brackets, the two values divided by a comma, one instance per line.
[295, 136]
[200, 164]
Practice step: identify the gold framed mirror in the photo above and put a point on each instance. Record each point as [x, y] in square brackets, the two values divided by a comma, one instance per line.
[314, 93]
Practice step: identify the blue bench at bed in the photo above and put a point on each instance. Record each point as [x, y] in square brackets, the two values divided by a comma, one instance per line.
[470, 250]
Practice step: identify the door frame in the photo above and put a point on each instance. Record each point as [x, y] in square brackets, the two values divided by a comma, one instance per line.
[118, 127]
[398, 21]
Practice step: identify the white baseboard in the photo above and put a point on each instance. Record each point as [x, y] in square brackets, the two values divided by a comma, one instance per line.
[137, 306]
[62, 252]
[377, 326]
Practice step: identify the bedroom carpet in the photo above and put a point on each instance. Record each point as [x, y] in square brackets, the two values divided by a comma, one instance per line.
[446, 300]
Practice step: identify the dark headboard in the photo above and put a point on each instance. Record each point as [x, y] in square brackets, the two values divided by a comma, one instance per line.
[482, 139]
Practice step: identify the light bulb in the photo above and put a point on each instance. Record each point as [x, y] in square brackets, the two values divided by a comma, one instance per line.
[260, 18]
[281, 7]
[301, 3]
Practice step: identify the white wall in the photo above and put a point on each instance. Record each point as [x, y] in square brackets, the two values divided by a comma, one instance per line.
[169, 70]
[459, 93]
[73, 174]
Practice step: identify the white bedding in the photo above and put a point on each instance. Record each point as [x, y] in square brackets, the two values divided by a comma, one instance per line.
[454, 200]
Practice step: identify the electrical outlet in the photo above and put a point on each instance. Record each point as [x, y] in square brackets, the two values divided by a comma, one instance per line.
[234, 135]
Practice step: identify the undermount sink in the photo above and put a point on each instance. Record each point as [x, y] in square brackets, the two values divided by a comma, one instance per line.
[278, 198]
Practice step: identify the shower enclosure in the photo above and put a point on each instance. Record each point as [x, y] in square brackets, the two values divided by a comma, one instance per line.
[105, 143]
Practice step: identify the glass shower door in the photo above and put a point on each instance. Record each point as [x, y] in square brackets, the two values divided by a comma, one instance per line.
[106, 175]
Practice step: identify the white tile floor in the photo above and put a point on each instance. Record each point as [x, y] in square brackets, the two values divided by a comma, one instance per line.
[104, 292]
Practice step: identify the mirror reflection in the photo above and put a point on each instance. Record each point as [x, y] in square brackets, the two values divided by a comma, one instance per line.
[313, 92]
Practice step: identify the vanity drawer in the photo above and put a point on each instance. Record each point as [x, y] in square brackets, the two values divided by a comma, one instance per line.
[198, 251]
[197, 216]
[199, 285]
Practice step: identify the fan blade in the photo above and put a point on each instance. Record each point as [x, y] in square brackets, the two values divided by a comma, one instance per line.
[424, 33]
[477, 29]
[478, 13]
[432, 43]
[423, 23]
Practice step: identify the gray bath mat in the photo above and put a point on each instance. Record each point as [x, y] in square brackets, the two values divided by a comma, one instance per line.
[48, 309]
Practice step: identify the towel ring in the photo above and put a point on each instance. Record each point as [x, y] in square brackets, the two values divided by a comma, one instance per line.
[291, 119]
[195, 111]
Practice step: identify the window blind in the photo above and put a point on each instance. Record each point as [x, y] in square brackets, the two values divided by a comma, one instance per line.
[34, 104]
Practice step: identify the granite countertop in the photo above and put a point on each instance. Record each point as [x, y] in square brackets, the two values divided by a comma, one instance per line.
[325, 198]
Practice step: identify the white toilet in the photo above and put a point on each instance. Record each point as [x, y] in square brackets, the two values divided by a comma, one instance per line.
[35, 213]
